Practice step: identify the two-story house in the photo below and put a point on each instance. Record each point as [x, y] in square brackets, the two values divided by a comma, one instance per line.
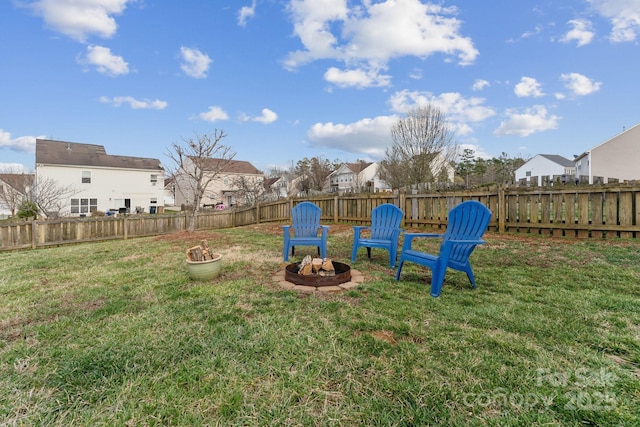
[99, 181]
[615, 159]
[543, 168]
[357, 177]
[236, 182]
[14, 189]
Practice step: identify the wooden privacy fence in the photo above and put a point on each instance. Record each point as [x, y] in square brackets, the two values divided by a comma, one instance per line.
[571, 211]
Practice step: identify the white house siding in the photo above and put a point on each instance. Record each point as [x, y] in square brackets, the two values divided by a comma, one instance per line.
[544, 167]
[345, 178]
[222, 188]
[111, 188]
[617, 158]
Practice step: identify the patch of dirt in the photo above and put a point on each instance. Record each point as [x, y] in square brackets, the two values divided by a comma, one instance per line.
[625, 363]
[383, 335]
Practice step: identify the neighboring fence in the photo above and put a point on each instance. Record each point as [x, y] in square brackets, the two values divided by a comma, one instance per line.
[606, 211]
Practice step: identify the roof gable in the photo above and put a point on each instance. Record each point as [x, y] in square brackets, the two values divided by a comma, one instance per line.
[52, 152]
[562, 161]
[18, 181]
[240, 167]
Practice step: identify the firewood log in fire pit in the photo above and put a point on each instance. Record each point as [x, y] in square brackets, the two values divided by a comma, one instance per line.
[319, 266]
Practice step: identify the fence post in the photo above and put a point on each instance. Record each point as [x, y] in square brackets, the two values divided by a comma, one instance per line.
[124, 225]
[34, 234]
[258, 213]
[502, 209]
[336, 213]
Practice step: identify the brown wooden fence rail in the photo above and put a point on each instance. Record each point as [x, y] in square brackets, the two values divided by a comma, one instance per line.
[577, 212]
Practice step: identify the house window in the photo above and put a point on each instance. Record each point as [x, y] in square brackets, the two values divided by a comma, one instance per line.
[86, 177]
[153, 200]
[528, 173]
[154, 179]
[84, 205]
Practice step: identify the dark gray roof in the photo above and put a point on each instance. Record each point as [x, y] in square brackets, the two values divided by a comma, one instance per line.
[563, 161]
[18, 181]
[52, 152]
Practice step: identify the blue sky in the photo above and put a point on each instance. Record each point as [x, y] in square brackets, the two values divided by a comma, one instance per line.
[287, 79]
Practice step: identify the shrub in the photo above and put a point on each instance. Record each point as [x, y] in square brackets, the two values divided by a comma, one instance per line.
[27, 209]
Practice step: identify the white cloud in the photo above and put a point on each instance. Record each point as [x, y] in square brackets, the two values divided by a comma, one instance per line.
[266, 117]
[537, 30]
[26, 144]
[366, 37]
[136, 104]
[356, 78]
[80, 19]
[480, 84]
[245, 13]
[196, 64]
[105, 61]
[214, 114]
[461, 112]
[528, 87]
[580, 85]
[416, 74]
[532, 120]
[581, 32]
[365, 137]
[624, 16]
[12, 168]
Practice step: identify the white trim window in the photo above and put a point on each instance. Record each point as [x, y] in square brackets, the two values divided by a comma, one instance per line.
[83, 206]
[86, 177]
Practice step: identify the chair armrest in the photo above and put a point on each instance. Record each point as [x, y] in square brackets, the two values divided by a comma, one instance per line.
[408, 238]
[325, 230]
[468, 242]
[357, 229]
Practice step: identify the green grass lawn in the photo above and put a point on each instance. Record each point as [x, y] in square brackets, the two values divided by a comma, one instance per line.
[116, 334]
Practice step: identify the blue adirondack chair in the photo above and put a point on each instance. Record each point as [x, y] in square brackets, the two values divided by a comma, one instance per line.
[305, 219]
[467, 223]
[384, 232]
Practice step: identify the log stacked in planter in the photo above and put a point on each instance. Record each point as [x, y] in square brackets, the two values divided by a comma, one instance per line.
[200, 253]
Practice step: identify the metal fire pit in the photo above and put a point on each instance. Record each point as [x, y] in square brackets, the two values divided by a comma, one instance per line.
[343, 275]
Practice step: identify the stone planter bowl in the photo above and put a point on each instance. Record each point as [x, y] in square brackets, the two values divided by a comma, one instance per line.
[205, 270]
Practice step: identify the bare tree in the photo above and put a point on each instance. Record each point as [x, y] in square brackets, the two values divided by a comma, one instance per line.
[359, 180]
[248, 189]
[423, 147]
[196, 163]
[51, 197]
[14, 189]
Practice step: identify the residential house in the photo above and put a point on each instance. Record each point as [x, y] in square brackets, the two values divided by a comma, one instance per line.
[169, 191]
[616, 159]
[237, 182]
[357, 177]
[14, 189]
[97, 181]
[543, 169]
[275, 188]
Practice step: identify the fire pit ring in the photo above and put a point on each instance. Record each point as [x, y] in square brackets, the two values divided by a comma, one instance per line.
[278, 278]
[343, 275]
